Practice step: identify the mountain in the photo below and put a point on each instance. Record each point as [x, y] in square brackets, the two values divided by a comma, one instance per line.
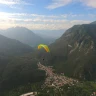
[9, 50]
[24, 35]
[74, 53]
[55, 34]
[19, 71]
[93, 22]
[49, 35]
[12, 47]
[16, 68]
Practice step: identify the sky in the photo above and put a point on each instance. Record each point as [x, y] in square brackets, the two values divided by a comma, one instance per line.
[46, 14]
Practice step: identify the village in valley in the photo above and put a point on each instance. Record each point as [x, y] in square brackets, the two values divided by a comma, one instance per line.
[55, 80]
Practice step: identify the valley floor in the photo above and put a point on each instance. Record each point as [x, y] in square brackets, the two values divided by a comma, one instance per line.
[53, 79]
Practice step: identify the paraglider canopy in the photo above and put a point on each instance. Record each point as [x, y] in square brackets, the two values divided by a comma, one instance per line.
[44, 46]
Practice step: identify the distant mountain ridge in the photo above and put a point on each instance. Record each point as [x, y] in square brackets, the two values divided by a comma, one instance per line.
[55, 34]
[24, 35]
[16, 68]
[12, 47]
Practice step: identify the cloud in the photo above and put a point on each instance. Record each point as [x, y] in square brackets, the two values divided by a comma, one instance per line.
[40, 22]
[13, 3]
[53, 5]
[8, 2]
[90, 3]
[58, 3]
[26, 15]
[55, 26]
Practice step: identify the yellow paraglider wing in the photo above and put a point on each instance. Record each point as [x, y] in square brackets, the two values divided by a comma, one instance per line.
[44, 46]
